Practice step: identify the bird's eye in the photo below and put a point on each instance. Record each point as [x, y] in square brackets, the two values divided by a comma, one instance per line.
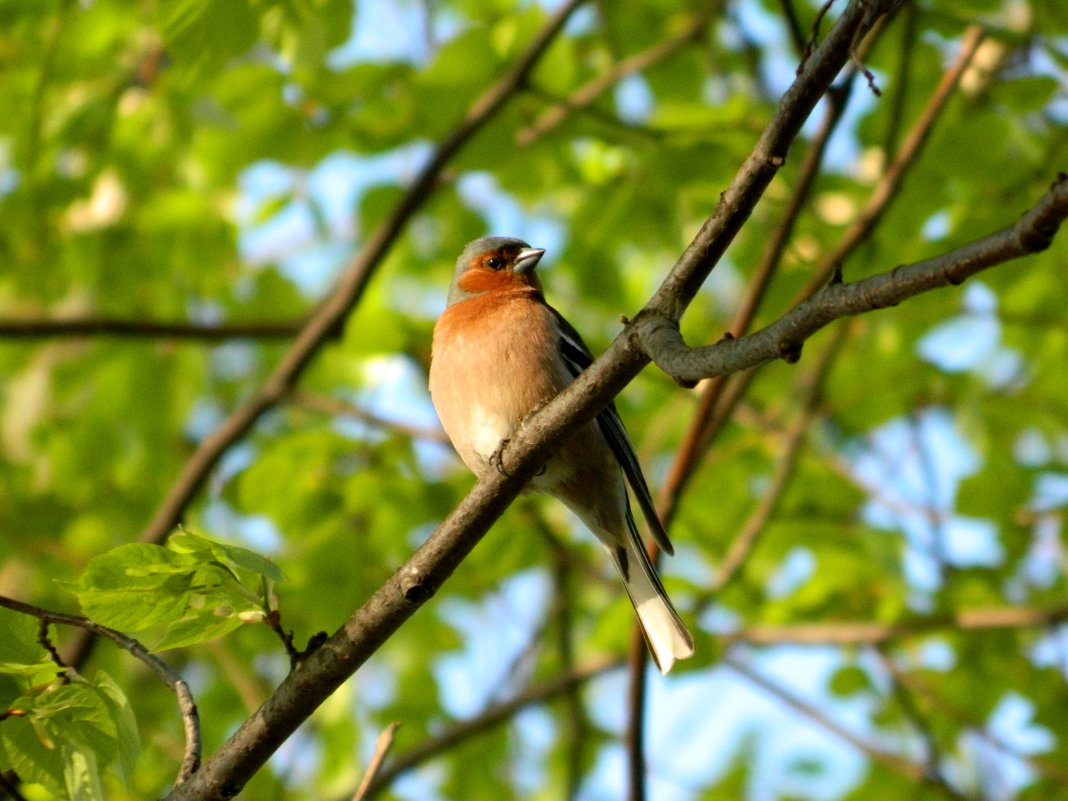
[494, 263]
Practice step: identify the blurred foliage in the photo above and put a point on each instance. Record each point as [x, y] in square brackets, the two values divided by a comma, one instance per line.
[218, 162]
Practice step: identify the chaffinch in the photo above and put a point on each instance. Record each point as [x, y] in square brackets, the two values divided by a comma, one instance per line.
[500, 352]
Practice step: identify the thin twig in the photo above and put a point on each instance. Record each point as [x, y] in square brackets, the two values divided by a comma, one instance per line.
[808, 710]
[336, 407]
[587, 93]
[46, 643]
[814, 36]
[382, 746]
[487, 720]
[186, 705]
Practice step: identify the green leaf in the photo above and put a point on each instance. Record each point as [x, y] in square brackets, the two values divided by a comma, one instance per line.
[201, 628]
[233, 556]
[18, 638]
[135, 587]
[128, 741]
[81, 775]
[850, 680]
[53, 725]
[196, 588]
[204, 35]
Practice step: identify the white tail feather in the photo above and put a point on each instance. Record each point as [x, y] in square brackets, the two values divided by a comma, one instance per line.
[666, 634]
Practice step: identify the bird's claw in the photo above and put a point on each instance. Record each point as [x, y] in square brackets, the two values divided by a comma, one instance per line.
[497, 457]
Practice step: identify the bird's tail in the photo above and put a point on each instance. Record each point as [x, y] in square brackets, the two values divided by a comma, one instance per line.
[664, 631]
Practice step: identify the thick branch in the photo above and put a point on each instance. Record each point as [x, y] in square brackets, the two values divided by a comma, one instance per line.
[186, 706]
[1032, 233]
[402, 594]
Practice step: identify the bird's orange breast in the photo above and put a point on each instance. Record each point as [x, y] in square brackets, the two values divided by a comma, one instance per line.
[492, 364]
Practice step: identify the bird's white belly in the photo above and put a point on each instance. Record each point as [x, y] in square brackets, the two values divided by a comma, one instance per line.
[488, 428]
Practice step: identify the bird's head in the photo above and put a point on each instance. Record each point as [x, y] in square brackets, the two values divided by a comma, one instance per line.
[495, 264]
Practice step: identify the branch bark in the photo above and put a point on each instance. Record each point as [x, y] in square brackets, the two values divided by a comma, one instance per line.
[1032, 233]
[414, 583]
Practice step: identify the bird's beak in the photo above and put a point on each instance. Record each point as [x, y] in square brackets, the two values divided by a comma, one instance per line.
[527, 259]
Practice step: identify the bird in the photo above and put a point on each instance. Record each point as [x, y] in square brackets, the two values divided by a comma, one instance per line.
[499, 353]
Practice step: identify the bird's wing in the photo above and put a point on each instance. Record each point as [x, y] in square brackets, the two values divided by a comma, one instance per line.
[578, 357]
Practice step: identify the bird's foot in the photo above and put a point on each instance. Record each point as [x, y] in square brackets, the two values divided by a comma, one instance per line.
[497, 457]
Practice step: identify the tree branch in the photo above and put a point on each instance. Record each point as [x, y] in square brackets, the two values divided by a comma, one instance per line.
[223, 775]
[146, 329]
[186, 705]
[871, 633]
[1032, 233]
